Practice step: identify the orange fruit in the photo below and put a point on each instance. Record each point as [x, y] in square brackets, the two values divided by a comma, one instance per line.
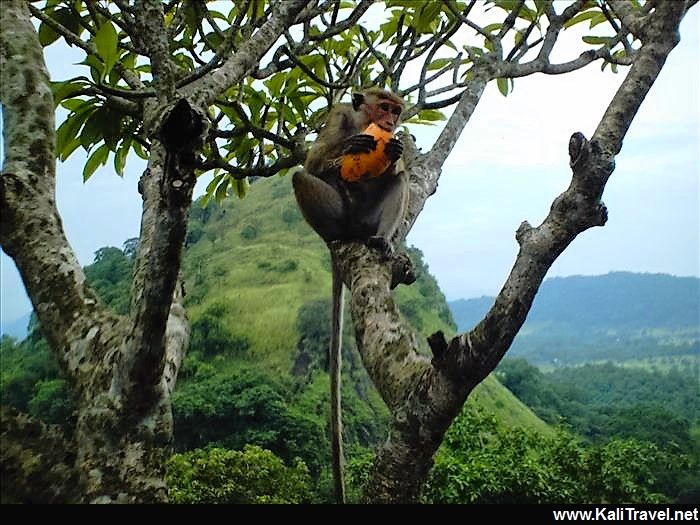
[356, 166]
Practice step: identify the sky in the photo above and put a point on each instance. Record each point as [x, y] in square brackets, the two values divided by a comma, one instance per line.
[509, 164]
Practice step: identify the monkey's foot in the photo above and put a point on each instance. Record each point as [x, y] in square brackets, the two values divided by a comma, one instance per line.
[380, 244]
[402, 270]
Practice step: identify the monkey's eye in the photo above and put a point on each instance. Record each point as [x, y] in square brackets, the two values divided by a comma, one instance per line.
[385, 106]
[396, 111]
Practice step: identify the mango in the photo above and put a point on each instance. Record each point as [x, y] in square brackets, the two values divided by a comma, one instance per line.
[356, 166]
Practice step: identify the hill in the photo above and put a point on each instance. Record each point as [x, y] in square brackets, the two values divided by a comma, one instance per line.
[257, 283]
[621, 315]
[256, 265]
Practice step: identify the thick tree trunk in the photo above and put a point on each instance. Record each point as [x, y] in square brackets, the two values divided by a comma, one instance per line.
[122, 370]
[123, 433]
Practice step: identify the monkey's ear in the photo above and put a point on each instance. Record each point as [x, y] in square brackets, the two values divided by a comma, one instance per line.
[357, 100]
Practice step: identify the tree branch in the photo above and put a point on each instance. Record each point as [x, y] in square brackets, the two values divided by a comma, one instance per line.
[632, 19]
[177, 338]
[475, 354]
[149, 19]
[458, 120]
[31, 231]
[205, 90]
[424, 399]
[70, 37]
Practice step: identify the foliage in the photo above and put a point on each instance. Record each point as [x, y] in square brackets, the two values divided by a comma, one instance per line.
[245, 407]
[257, 118]
[110, 276]
[249, 232]
[52, 402]
[608, 398]
[359, 463]
[482, 461]
[253, 475]
[29, 379]
[211, 337]
[607, 402]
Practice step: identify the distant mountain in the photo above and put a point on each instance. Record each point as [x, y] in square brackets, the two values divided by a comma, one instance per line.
[621, 315]
[16, 328]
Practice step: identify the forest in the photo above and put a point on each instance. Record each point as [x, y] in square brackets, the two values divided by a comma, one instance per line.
[251, 426]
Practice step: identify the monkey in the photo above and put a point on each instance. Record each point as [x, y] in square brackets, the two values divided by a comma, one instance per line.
[364, 206]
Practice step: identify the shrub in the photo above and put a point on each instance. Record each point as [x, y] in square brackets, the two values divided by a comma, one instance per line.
[253, 475]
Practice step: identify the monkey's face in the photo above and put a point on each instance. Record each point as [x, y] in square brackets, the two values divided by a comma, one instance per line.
[385, 113]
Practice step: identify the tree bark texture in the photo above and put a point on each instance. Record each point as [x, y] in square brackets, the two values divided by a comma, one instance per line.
[124, 429]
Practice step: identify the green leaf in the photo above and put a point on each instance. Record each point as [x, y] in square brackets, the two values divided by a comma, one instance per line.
[439, 63]
[241, 187]
[65, 90]
[68, 149]
[502, 84]
[96, 68]
[431, 115]
[66, 18]
[429, 16]
[596, 40]
[97, 159]
[275, 83]
[298, 104]
[106, 40]
[92, 131]
[599, 18]
[47, 36]
[213, 184]
[120, 156]
[67, 132]
[388, 29]
[222, 190]
[404, 3]
[138, 149]
[580, 18]
[75, 104]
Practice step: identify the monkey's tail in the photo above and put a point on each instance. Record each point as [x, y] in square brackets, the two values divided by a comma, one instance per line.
[335, 367]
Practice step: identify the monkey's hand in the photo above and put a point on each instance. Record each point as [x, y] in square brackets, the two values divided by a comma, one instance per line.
[393, 149]
[360, 143]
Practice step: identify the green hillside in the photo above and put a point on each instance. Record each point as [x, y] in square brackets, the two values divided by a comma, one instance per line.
[252, 399]
[257, 265]
[257, 283]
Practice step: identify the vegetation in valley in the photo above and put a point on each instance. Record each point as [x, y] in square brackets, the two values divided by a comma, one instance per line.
[251, 404]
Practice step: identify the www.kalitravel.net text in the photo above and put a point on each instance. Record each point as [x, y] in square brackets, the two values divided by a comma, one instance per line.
[626, 514]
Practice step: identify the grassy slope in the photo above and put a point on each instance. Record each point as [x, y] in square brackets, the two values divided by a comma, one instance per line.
[264, 279]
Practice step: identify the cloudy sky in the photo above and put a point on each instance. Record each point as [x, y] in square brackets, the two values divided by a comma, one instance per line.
[508, 166]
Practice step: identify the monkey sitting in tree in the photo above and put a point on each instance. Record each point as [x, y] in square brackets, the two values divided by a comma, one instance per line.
[351, 190]
[340, 194]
